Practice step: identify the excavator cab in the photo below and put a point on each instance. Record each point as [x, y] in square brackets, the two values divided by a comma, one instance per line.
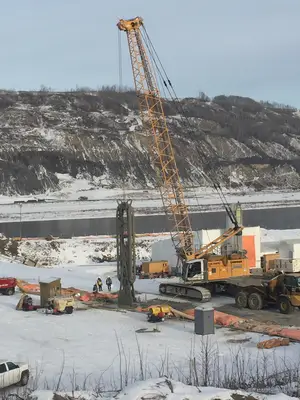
[193, 270]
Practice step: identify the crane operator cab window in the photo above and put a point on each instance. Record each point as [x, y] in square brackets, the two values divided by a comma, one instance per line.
[194, 269]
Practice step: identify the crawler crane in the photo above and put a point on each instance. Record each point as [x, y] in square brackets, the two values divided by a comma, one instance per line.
[202, 271]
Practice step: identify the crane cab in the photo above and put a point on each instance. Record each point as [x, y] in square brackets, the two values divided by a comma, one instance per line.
[215, 268]
[194, 270]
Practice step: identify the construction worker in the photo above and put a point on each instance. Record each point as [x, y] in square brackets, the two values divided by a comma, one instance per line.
[95, 288]
[99, 284]
[108, 283]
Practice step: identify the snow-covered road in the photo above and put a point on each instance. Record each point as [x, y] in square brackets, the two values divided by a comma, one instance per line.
[102, 203]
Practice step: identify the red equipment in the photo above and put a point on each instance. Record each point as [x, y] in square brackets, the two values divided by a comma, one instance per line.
[7, 286]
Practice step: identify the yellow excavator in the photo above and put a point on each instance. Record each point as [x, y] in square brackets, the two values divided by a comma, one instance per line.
[202, 271]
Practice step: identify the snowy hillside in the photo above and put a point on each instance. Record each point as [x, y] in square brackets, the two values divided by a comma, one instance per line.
[98, 136]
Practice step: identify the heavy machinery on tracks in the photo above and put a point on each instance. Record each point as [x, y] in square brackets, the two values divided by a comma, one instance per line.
[202, 270]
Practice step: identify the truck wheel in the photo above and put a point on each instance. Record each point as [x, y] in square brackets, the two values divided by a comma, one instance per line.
[69, 310]
[285, 306]
[162, 289]
[255, 301]
[24, 378]
[241, 299]
[10, 291]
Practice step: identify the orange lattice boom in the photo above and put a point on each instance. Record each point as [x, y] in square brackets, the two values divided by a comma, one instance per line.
[161, 149]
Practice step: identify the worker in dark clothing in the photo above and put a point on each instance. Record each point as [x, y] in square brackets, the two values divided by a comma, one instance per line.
[99, 284]
[27, 303]
[95, 288]
[108, 283]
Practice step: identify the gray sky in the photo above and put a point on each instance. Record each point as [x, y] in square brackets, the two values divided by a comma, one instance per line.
[242, 47]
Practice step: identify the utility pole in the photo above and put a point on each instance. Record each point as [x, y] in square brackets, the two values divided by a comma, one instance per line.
[126, 260]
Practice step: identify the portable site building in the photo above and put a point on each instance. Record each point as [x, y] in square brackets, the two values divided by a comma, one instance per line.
[49, 288]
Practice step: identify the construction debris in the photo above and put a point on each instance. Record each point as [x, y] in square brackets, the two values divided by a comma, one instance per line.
[269, 344]
[147, 330]
[34, 288]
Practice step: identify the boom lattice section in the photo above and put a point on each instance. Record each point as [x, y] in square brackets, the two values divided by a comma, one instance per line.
[161, 149]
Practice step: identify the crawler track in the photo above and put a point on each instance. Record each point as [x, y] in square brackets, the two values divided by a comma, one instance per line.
[188, 291]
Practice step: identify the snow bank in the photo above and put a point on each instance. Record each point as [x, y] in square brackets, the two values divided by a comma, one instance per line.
[158, 389]
[164, 389]
[276, 235]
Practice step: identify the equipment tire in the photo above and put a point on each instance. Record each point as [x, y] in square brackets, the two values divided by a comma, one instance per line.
[24, 378]
[284, 305]
[69, 310]
[241, 299]
[255, 301]
[162, 289]
[10, 291]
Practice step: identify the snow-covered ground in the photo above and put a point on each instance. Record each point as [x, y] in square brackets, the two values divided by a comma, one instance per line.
[100, 349]
[80, 250]
[166, 389]
[102, 202]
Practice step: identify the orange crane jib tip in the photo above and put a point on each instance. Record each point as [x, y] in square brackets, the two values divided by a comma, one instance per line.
[130, 24]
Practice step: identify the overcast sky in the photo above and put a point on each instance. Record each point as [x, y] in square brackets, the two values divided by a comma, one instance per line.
[243, 47]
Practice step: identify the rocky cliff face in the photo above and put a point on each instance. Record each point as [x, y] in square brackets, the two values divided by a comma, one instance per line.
[98, 135]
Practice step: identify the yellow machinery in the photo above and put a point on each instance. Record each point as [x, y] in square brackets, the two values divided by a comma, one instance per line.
[61, 304]
[272, 288]
[159, 313]
[154, 269]
[199, 267]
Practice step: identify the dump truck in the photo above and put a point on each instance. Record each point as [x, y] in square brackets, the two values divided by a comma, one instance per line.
[257, 292]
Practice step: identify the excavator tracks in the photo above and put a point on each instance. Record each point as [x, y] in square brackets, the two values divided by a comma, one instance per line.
[193, 292]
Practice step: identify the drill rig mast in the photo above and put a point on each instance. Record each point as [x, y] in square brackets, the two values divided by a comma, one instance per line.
[162, 153]
[126, 265]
